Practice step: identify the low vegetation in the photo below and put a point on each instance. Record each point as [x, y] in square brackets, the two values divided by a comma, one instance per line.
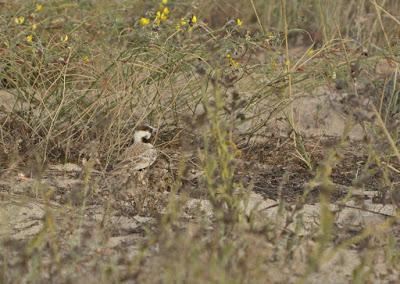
[278, 131]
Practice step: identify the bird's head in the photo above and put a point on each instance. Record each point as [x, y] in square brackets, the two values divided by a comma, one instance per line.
[143, 133]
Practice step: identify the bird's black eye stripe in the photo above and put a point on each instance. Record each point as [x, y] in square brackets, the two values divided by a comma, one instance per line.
[146, 140]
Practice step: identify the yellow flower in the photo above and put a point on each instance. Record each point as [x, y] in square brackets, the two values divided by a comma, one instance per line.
[20, 20]
[192, 21]
[64, 38]
[29, 38]
[310, 52]
[39, 7]
[160, 17]
[239, 22]
[183, 22]
[86, 59]
[144, 21]
[271, 35]
[165, 11]
[232, 61]
[34, 27]
[165, 2]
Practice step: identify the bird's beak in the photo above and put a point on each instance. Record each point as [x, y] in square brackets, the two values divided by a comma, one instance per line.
[153, 129]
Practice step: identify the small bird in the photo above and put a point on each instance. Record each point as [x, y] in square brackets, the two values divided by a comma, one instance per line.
[142, 153]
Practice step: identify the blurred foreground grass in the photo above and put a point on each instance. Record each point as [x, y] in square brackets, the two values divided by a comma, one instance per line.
[214, 77]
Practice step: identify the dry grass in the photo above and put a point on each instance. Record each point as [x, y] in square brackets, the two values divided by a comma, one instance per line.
[226, 83]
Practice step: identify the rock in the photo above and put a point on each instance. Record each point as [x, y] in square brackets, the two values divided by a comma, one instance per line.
[199, 205]
[257, 202]
[68, 168]
[21, 221]
[385, 67]
[338, 269]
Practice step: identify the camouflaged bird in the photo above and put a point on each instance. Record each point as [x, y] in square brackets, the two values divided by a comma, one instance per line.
[141, 154]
